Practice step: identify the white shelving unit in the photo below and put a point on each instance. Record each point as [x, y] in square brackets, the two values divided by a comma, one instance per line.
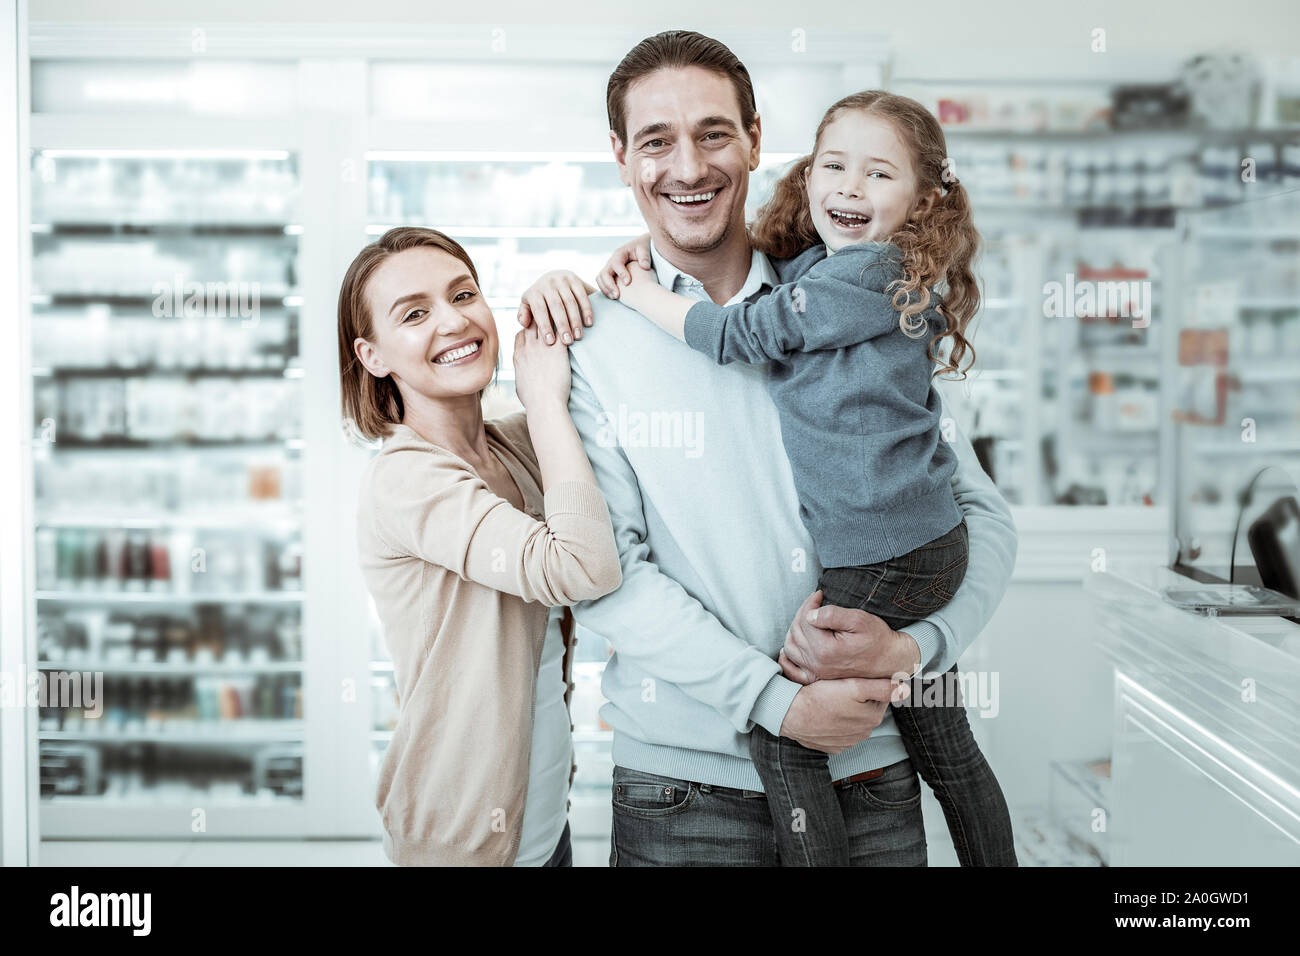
[1240, 379]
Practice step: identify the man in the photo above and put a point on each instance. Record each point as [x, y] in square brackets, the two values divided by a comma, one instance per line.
[716, 563]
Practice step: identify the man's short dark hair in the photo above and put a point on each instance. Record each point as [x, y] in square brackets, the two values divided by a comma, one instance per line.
[676, 48]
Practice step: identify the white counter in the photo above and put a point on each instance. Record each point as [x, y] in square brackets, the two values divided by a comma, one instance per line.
[1205, 762]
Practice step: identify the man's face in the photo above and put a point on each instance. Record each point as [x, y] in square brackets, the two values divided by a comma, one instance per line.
[687, 158]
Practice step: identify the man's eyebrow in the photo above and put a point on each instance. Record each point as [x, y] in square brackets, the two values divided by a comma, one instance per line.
[706, 123]
[652, 128]
[709, 121]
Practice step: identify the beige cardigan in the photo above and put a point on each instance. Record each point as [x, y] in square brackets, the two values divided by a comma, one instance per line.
[462, 581]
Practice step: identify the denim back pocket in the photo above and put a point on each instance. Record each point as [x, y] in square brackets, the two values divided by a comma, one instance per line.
[928, 577]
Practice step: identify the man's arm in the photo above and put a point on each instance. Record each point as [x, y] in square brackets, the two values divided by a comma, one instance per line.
[651, 620]
[993, 540]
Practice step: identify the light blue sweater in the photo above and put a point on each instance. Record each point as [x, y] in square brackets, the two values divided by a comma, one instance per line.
[859, 412]
[715, 560]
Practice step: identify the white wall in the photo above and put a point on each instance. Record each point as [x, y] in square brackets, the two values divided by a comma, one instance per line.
[982, 29]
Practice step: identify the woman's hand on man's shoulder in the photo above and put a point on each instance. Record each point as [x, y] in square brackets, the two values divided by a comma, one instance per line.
[559, 303]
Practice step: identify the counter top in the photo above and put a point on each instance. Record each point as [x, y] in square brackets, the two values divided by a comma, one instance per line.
[1224, 692]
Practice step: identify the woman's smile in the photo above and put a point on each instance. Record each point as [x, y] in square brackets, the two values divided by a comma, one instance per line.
[462, 353]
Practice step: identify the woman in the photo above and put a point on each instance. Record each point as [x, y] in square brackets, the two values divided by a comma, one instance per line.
[468, 531]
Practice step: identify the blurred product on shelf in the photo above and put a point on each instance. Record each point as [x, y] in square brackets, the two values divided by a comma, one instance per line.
[1149, 106]
[160, 409]
[180, 561]
[207, 635]
[191, 272]
[180, 705]
[159, 774]
[500, 194]
[100, 338]
[83, 187]
[1019, 109]
[1224, 89]
[209, 485]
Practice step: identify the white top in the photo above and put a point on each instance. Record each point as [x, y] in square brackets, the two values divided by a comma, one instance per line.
[545, 807]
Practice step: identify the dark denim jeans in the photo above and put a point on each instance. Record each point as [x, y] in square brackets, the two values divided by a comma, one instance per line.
[662, 821]
[563, 855]
[810, 828]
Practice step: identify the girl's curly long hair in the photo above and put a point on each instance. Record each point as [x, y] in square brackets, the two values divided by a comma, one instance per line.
[938, 247]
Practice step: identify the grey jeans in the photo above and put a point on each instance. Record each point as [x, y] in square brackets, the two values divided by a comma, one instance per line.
[662, 821]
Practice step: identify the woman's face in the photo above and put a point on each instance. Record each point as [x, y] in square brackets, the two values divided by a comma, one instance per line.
[432, 330]
[862, 183]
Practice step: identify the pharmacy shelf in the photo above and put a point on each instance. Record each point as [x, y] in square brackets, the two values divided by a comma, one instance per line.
[177, 669]
[217, 733]
[128, 295]
[525, 232]
[159, 371]
[129, 224]
[1109, 133]
[146, 597]
[69, 818]
[1262, 370]
[72, 443]
[1284, 446]
[133, 521]
[1247, 233]
[1269, 303]
[184, 798]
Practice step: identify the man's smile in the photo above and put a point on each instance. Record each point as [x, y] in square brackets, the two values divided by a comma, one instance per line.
[692, 203]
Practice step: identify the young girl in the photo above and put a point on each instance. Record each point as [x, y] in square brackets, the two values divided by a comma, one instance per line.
[870, 222]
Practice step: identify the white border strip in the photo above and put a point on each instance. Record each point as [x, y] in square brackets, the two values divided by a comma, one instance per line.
[18, 757]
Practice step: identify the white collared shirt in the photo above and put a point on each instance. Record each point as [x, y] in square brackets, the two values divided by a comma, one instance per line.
[761, 276]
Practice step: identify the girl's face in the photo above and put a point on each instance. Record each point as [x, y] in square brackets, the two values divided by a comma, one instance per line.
[432, 330]
[862, 183]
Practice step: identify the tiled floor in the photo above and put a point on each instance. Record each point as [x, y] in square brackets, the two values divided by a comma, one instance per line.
[586, 852]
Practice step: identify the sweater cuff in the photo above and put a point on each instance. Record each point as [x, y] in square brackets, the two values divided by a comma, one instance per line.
[702, 328]
[575, 498]
[773, 701]
[929, 638]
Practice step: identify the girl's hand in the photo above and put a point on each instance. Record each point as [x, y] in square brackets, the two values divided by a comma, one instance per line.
[541, 370]
[616, 269]
[639, 281]
[559, 305]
